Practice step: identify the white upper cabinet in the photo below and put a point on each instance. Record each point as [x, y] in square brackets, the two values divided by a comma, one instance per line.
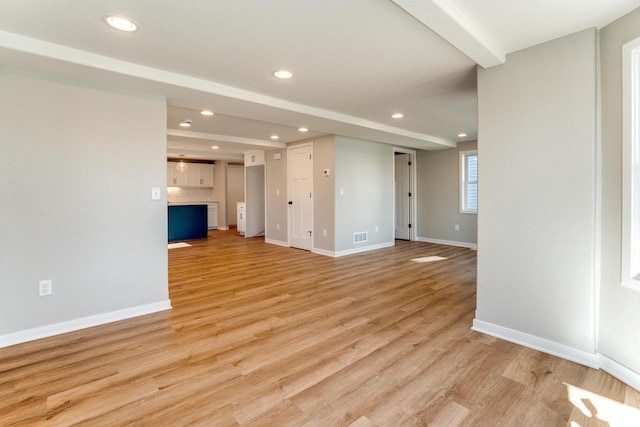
[176, 178]
[197, 175]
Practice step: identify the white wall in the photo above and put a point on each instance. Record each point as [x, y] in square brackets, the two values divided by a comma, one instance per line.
[234, 191]
[219, 193]
[364, 184]
[536, 222]
[276, 196]
[619, 336]
[78, 163]
[438, 193]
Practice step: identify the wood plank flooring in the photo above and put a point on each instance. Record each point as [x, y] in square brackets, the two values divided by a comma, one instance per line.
[262, 335]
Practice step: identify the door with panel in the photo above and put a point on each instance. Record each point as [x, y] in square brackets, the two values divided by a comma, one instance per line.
[300, 172]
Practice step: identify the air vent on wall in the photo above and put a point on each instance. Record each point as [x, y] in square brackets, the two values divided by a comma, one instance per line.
[360, 237]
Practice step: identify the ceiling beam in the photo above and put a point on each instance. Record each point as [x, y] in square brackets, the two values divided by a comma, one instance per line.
[167, 79]
[225, 138]
[453, 25]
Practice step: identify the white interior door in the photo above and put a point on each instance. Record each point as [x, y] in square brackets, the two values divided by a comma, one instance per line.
[300, 196]
[402, 191]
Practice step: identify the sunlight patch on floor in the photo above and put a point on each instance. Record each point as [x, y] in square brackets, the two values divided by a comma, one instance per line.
[601, 409]
[178, 245]
[428, 259]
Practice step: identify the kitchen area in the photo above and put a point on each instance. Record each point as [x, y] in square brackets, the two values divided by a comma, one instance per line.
[202, 195]
[205, 195]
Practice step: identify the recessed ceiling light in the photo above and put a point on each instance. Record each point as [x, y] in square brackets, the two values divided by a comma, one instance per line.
[275, 137]
[186, 123]
[283, 74]
[303, 130]
[121, 23]
[462, 135]
[215, 147]
[206, 113]
[397, 116]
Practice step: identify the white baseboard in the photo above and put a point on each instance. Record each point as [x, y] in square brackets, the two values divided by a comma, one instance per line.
[222, 228]
[82, 323]
[541, 344]
[448, 242]
[276, 242]
[353, 250]
[323, 252]
[621, 372]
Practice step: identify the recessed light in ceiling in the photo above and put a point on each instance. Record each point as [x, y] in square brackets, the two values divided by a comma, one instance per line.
[215, 147]
[397, 115]
[206, 113]
[275, 137]
[283, 74]
[303, 130]
[462, 135]
[121, 23]
[187, 123]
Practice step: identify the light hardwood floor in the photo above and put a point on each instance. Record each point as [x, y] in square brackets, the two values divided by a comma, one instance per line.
[262, 335]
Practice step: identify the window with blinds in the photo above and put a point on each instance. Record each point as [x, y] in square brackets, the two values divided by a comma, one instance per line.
[469, 182]
[630, 267]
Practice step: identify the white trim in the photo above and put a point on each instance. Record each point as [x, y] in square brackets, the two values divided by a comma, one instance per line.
[81, 323]
[448, 242]
[276, 242]
[221, 228]
[592, 360]
[630, 265]
[462, 181]
[597, 251]
[324, 252]
[621, 372]
[541, 344]
[353, 250]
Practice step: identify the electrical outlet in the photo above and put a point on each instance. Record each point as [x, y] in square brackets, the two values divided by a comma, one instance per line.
[377, 229]
[457, 227]
[45, 287]
[324, 232]
[277, 226]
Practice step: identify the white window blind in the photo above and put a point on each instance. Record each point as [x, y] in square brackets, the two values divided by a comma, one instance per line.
[468, 181]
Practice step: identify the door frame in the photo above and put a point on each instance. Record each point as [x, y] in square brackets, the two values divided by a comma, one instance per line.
[289, 223]
[413, 202]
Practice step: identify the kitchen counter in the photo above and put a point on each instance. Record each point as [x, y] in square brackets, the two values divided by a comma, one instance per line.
[187, 221]
[191, 203]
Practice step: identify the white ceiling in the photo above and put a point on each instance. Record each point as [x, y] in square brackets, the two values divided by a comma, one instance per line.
[355, 62]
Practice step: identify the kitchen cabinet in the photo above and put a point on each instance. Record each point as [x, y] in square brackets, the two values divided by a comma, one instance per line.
[212, 215]
[197, 175]
[200, 175]
[176, 178]
[241, 220]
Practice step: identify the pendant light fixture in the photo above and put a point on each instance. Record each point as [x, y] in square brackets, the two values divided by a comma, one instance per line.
[182, 166]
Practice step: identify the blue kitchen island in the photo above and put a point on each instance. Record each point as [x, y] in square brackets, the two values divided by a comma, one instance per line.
[187, 222]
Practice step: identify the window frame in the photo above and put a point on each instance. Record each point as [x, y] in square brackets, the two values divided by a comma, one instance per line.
[463, 172]
[630, 263]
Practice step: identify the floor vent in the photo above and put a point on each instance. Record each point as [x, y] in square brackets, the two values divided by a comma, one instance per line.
[361, 237]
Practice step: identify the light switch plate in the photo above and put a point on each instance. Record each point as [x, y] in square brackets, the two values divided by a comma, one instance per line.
[155, 193]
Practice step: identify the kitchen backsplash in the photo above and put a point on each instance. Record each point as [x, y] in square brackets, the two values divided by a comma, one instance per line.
[186, 194]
